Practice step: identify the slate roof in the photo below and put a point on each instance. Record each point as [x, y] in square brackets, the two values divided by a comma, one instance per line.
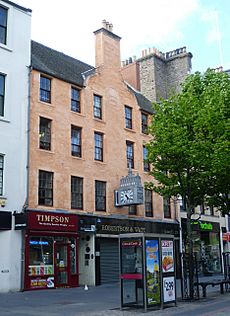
[58, 65]
[17, 6]
[142, 101]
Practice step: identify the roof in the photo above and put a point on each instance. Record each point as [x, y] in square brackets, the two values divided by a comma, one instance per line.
[17, 6]
[58, 65]
[142, 101]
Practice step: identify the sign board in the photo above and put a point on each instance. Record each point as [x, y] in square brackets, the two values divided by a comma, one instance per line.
[169, 292]
[52, 221]
[20, 221]
[167, 256]
[5, 220]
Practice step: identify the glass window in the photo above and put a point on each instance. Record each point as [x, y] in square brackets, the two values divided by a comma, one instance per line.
[100, 196]
[41, 256]
[144, 123]
[45, 133]
[132, 209]
[98, 146]
[145, 163]
[1, 173]
[76, 141]
[2, 94]
[45, 189]
[75, 100]
[77, 193]
[129, 154]
[128, 117]
[73, 269]
[3, 25]
[45, 89]
[167, 208]
[97, 106]
[148, 203]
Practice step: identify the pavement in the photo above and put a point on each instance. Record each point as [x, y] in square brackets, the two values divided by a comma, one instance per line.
[102, 300]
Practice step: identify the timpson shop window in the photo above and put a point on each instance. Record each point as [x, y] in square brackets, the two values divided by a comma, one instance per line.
[51, 250]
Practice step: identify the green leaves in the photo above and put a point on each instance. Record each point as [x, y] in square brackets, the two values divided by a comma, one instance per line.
[190, 146]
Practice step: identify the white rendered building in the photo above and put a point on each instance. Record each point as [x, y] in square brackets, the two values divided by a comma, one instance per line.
[15, 28]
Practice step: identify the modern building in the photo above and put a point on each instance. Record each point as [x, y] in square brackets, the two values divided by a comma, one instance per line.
[14, 104]
[88, 130]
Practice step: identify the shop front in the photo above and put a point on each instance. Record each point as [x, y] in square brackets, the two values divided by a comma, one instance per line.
[206, 245]
[50, 250]
[105, 231]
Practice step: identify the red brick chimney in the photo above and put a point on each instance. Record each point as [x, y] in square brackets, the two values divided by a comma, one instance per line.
[107, 47]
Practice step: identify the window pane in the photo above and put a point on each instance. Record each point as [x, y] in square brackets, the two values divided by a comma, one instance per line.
[98, 146]
[2, 94]
[76, 141]
[167, 208]
[128, 117]
[100, 196]
[45, 190]
[3, 25]
[45, 133]
[77, 193]
[144, 123]
[75, 100]
[129, 154]
[97, 107]
[146, 164]
[45, 89]
[148, 203]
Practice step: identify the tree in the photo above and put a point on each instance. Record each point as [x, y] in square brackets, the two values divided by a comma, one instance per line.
[190, 148]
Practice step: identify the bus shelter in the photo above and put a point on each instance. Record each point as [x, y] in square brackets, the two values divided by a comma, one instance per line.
[147, 270]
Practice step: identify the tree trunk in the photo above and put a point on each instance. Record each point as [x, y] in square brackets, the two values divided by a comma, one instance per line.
[190, 253]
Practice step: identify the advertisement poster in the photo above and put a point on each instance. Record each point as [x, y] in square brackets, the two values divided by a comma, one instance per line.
[169, 289]
[152, 273]
[167, 256]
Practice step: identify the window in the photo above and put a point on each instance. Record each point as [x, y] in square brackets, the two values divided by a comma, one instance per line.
[97, 106]
[45, 133]
[45, 89]
[98, 146]
[100, 196]
[145, 163]
[77, 193]
[1, 173]
[76, 141]
[129, 154]
[2, 94]
[167, 208]
[75, 100]
[133, 209]
[148, 203]
[128, 117]
[144, 123]
[3, 25]
[45, 189]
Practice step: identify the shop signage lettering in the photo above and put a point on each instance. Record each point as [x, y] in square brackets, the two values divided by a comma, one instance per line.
[47, 221]
[132, 243]
[204, 226]
[122, 229]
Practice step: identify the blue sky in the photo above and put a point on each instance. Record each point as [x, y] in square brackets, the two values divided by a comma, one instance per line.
[203, 26]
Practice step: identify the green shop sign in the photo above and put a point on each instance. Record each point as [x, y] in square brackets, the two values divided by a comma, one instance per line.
[203, 225]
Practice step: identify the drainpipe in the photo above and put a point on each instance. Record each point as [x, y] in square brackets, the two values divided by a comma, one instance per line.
[27, 183]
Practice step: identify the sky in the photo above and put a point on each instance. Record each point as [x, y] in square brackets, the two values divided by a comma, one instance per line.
[203, 26]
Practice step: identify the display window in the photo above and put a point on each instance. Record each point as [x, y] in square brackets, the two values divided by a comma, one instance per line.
[50, 262]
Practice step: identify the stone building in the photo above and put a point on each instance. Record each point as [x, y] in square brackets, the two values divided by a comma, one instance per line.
[88, 129]
[158, 75]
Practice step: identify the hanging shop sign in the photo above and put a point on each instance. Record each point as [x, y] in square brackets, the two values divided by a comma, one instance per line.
[52, 221]
[20, 221]
[167, 256]
[5, 220]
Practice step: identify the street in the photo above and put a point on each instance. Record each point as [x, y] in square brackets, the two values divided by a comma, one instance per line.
[100, 301]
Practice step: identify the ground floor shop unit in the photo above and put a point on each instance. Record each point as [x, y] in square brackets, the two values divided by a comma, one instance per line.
[50, 243]
[99, 244]
[207, 248]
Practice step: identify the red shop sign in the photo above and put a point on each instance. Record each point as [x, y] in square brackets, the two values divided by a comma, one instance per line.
[52, 221]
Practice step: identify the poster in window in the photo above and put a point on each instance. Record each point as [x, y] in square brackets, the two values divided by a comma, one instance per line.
[153, 272]
[169, 289]
[167, 256]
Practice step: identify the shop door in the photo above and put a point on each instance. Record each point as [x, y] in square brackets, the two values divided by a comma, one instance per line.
[62, 258]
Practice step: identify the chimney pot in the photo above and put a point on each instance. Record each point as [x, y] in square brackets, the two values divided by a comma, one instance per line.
[104, 24]
[107, 26]
[111, 27]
